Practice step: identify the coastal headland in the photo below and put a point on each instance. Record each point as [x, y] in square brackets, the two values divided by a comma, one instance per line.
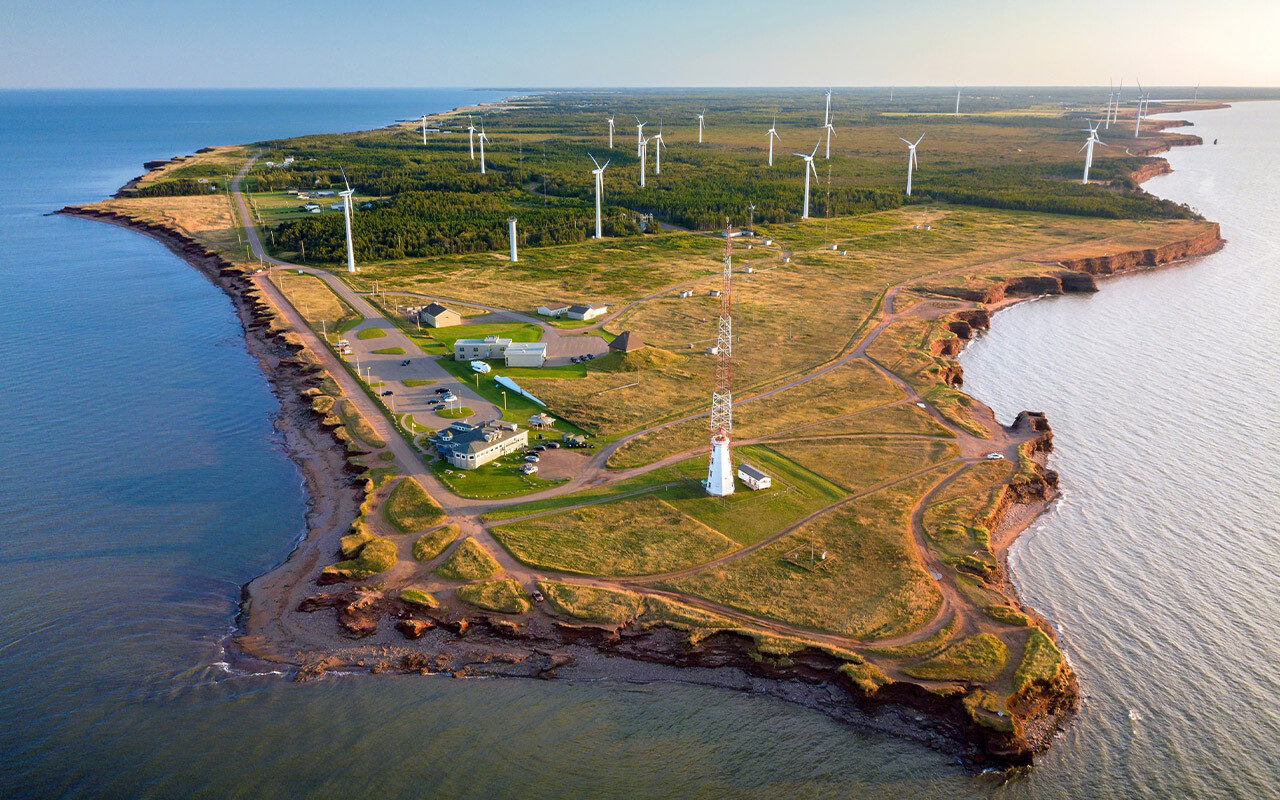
[867, 582]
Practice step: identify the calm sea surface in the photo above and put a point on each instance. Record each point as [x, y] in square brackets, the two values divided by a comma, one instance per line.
[142, 483]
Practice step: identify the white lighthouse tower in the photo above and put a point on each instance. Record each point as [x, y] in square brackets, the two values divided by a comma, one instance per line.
[720, 471]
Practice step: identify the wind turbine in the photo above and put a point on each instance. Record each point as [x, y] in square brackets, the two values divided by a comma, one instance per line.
[891, 88]
[658, 144]
[644, 156]
[1137, 117]
[827, 126]
[701, 119]
[808, 166]
[1115, 115]
[471, 136]
[1195, 98]
[482, 139]
[1087, 148]
[610, 131]
[639, 135]
[598, 172]
[1111, 98]
[911, 159]
[346, 218]
[424, 130]
[772, 134]
[957, 101]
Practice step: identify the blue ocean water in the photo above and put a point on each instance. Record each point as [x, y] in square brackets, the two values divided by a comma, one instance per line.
[143, 483]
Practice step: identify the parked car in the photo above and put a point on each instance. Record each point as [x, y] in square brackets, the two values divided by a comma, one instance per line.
[439, 407]
[574, 359]
[528, 469]
[537, 596]
[532, 459]
[538, 448]
[994, 456]
[442, 390]
[552, 445]
[448, 398]
[404, 363]
[588, 357]
[387, 393]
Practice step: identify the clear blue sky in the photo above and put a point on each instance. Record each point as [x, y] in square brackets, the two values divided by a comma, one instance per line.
[410, 43]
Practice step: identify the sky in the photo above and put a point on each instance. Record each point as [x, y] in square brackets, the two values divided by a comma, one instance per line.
[545, 43]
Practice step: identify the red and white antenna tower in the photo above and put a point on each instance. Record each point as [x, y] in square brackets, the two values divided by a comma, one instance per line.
[720, 470]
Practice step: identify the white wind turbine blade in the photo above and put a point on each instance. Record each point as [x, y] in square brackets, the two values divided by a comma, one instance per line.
[815, 149]
[906, 141]
[606, 164]
[344, 178]
[813, 167]
[593, 160]
[921, 139]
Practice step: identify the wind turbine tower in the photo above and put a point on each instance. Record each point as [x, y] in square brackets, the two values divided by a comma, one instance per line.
[957, 101]
[1087, 149]
[346, 219]
[720, 470]
[482, 139]
[772, 134]
[598, 172]
[658, 144]
[808, 167]
[827, 127]
[644, 156]
[639, 136]
[511, 234]
[1137, 117]
[911, 159]
[424, 130]
[701, 119]
[471, 136]
[610, 131]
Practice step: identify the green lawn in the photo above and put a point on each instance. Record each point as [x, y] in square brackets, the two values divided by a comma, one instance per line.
[412, 382]
[515, 331]
[371, 333]
[516, 408]
[498, 478]
[748, 516]
[390, 351]
[458, 412]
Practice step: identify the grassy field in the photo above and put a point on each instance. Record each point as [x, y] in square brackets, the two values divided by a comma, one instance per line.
[975, 659]
[357, 424]
[848, 389]
[469, 561]
[593, 604]
[859, 464]
[371, 333]
[431, 544]
[324, 311]
[504, 596]
[870, 585]
[958, 522]
[633, 536]
[409, 508]
[373, 556]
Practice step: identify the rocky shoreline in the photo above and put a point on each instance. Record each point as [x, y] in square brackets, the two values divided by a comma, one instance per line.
[476, 644]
